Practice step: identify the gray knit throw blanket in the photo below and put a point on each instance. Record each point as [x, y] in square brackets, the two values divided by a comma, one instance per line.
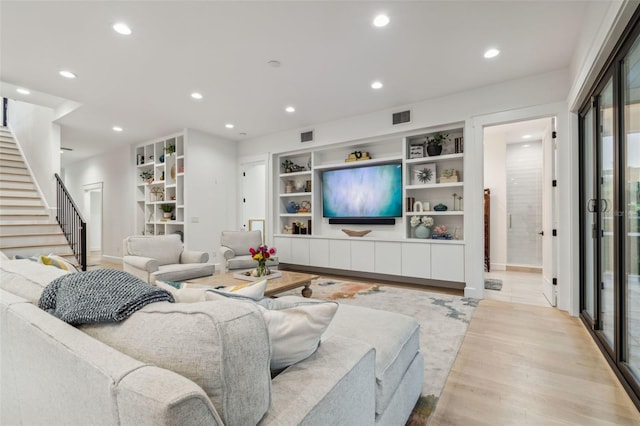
[101, 295]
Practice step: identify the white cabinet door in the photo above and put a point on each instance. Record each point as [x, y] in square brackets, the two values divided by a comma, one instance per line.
[388, 258]
[447, 262]
[319, 253]
[363, 256]
[283, 249]
[416, 260]
[300, 251]
[340, 254]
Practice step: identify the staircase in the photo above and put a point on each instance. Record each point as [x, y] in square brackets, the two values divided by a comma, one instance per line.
[25, 226]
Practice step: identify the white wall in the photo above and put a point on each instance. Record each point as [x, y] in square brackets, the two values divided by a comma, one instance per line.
[115, 170]
[210, 190]
[39, 139]
[495, 178]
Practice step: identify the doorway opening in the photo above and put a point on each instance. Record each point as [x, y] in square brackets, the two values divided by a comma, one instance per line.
[93, 216]
[519, 167]
[253, 196]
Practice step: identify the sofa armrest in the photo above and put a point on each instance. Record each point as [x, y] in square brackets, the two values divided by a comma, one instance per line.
[143, 263]
[226, 253]
[192, 256]
[155, 396]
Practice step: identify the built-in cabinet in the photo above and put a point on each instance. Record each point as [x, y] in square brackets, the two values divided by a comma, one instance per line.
[159, 186]
[304, 237]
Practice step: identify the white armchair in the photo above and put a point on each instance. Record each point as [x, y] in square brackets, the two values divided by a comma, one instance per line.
[234, 249]
[164, 258]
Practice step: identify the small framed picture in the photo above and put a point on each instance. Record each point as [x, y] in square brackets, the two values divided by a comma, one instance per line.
[425, 173]
[416, 151]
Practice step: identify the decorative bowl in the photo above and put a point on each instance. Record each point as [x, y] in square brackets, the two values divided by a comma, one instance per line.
[352, 233]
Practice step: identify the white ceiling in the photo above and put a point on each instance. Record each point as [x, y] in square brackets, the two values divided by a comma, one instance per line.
[330, 54]
[514, 132]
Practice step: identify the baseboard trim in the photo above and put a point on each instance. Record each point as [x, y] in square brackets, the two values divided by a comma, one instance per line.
[516, 268]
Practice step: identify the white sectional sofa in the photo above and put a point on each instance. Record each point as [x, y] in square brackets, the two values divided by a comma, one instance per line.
[204, 363]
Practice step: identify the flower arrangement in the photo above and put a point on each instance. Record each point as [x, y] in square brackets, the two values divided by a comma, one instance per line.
[421, 220]
[261, 255]
[147, 175]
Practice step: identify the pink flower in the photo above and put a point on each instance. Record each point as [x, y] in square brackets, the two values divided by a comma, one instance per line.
[252, 251]
[272, 251]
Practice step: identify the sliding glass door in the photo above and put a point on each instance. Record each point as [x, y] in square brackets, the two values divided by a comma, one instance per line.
[610, 211]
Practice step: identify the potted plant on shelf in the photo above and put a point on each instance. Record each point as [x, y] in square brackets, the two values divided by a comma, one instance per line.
[434, 143]
[147, 175]
[170, 149]
[167, 209]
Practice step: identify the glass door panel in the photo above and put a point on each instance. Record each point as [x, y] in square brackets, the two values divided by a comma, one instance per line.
[631, 225]
[590, 204]
[606, 210]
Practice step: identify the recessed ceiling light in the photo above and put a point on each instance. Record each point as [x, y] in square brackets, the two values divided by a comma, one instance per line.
[23, 91]
[67, 74]
[273, 63]
[117, 128]
[196, 95]
[229, 126]
[526, 136]
[376, 85]
[290, 109]
[491, 53]
[381, 20]
[122, 28]
[525, 145]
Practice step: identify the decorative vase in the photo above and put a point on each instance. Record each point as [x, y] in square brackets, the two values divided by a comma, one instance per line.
[422, 231]
[262, 270]
[434, 150]
[166, 215]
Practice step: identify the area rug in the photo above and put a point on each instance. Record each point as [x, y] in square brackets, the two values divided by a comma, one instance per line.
[493, 284]
[443, 323]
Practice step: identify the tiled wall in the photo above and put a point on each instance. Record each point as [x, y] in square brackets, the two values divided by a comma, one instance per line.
[524, 203]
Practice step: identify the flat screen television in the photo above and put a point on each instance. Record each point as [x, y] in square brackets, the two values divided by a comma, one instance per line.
[363, 194]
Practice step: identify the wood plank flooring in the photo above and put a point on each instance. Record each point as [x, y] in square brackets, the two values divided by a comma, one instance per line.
[528, 365]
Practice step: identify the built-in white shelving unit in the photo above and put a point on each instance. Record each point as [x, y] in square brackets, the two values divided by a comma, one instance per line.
[390, 249]
[163, 160]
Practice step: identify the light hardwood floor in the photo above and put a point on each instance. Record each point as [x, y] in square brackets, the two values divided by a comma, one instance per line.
[527, 365]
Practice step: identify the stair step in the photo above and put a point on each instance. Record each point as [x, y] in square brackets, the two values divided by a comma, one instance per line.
[10, 219]
[23, 209]
[18, 193]
[22, 202]
[16, 161]
[32, 240]
[14, 178]
[8, 143]
[12, 166]
[29, 229]
[8, 156]
[16, 171]
[28, 251]
[16, 185]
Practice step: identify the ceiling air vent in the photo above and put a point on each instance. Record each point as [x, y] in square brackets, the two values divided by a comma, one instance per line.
[401, 117]
[306, 136]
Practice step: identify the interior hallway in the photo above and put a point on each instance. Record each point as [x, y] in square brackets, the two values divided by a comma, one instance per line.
[517, 287]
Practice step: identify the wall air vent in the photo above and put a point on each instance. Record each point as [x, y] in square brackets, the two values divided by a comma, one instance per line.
[401, 117]
[306, 136]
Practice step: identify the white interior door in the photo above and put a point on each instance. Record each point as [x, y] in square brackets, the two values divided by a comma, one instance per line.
[254, 189]
[92, 213]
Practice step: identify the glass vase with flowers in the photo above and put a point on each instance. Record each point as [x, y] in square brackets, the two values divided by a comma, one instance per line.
[262, 254]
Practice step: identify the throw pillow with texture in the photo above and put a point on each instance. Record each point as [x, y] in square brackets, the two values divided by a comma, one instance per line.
[59, 262]
[295, 328]
[252, 289]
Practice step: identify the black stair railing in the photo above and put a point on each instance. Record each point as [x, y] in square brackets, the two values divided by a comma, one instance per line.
[73, 225]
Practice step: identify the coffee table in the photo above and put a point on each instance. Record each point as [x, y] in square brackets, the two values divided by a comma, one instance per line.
[287, 281]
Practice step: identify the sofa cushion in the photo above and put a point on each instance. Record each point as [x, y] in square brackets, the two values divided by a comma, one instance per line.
[183, 294]
[395, 337]
[181, 272]
[241, 242]
[166, 249]
[242, 262]
[27, 279]
[223, 346]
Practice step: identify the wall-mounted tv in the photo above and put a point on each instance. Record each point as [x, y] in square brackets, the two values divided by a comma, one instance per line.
[366, 194]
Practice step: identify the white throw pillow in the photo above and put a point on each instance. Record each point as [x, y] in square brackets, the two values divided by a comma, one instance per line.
[295, 328]
[252, 289]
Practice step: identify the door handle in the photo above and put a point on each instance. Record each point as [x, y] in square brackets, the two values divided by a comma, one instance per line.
[541, 233]
[591, 205]
[605, 207]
